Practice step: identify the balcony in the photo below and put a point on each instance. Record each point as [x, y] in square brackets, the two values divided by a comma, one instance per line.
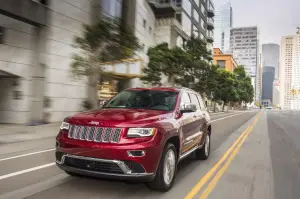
[210, 37]
[26, 11]
[210, 13]
[210, 24]
[164, 8]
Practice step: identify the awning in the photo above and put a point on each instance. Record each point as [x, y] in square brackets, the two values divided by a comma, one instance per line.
[6, 74]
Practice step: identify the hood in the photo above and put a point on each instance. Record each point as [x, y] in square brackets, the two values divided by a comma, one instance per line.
[108, 117]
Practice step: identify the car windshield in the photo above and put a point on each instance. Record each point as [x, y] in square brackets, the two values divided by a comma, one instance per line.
[144, 99]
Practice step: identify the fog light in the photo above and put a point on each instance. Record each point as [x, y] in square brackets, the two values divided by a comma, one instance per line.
[136, 153]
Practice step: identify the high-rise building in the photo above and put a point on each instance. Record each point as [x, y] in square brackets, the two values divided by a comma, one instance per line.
[223, 24]
[36, 49]
[290, 72]
[244, 45]
[267, 83]
[276, 93]
[271, 54]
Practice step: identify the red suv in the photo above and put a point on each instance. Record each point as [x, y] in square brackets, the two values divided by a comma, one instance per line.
[140, 134]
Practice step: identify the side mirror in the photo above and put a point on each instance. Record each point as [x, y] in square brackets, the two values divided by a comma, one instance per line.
[188, 108]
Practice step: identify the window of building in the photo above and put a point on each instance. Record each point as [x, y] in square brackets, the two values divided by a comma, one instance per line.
[112, 8]
[195, 31]
[203, 10]
[196, 15]
[202, 24]
[186, 5]
[144, 23]
[221, 63]
[186, 24]
[150, 30]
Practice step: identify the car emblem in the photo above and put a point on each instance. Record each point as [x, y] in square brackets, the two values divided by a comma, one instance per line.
[94, 122]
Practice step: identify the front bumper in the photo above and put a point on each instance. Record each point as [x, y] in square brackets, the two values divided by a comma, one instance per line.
[104, 168]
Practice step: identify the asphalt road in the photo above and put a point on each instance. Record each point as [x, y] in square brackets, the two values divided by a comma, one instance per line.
[254, 155]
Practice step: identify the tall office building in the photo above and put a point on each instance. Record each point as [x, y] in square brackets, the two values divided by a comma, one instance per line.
[223, 24]
[276, 93]
[244, 45]
[271, 54]
[290, 72]
[267, 84]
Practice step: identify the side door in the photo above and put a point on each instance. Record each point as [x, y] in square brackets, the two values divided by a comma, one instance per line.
[205, 114]
[198, 120]
[186, 124]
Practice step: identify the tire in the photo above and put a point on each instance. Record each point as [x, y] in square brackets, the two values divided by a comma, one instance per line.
[159, 183]
[204, 152]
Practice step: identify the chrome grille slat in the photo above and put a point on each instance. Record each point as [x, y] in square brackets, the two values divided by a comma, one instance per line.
[95, 134]
[83, 133]
[71, 131]
[116, 136]
[107, 134]
[76, 132]
[98, 134]
[91, 132]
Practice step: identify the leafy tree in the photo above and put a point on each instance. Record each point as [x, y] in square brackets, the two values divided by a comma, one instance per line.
[245, 88]
[107, 40]
[164, 61]
[225, 89]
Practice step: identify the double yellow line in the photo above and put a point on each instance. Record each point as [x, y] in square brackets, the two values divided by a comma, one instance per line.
[227, 158]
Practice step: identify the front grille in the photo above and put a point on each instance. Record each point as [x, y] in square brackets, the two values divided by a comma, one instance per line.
[93, 165]
[96, 134]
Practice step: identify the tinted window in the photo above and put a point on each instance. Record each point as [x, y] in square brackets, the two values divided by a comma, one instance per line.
[185, 98]
[195, 101]
[144, 99]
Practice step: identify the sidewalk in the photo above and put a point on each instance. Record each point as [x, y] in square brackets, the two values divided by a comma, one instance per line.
[11, 133]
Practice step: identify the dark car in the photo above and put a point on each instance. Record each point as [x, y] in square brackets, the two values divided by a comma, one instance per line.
[139, 135]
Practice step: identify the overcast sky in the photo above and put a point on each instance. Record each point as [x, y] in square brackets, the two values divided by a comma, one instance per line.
[274, 18]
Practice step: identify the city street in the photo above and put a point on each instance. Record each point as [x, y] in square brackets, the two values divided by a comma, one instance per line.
[255, 154]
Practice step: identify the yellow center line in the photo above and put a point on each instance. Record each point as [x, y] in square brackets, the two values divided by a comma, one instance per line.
[213, 170]
[220, 173]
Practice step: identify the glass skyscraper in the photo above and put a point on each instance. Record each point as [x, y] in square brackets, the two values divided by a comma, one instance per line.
[223, 24]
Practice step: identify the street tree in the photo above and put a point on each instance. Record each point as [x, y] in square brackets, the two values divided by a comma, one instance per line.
[106, 40]
[225, 89]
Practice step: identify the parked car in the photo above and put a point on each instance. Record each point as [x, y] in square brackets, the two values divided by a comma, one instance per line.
[139, 135]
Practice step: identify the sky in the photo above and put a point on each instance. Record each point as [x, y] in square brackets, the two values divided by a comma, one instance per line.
[274, 18]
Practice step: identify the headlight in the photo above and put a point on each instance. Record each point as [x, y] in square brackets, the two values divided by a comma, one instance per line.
[64, 126]
[140, 132]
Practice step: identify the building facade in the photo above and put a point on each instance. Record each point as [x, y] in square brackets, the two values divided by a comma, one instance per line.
[36, 50]
[223, 25]
[268, 76]
[225, 61]
[276, 93]
[290, 72]
[244, 46]
[271, 56]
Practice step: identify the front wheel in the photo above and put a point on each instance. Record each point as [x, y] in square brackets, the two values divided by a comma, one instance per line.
[166, 171]
[204, 151]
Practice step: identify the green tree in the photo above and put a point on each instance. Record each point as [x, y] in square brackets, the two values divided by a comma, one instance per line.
[225, 89]
[164, 61]
[243, 81]
[107, 40]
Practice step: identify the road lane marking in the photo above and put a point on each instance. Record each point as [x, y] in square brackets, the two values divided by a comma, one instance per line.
[26, 171]
[27, 154]
[220, 173]
[226, 117]
[213, 170]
